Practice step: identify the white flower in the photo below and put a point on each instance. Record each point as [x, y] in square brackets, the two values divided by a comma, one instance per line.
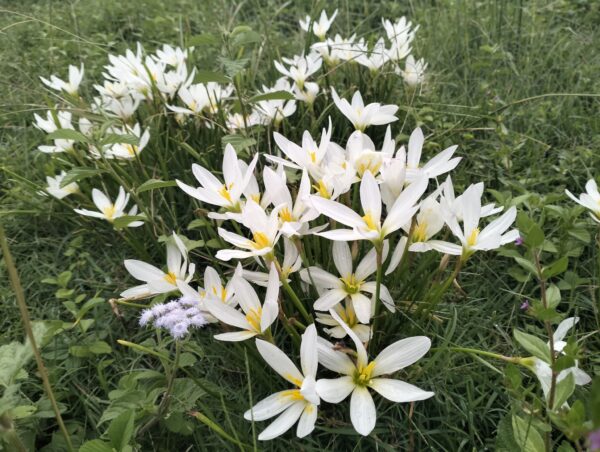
[590, 200]
[291, 264]
[429, 221]
[362, 154]
[542, 369]
[440, 164]
[350, 284]
[109, 211]
[320, 27]
[292, 404]
[275, 110]
[414, 71]
[308, 93]
[376, 58]
[254, 319]
[200, 97]
[456, 203]
[237, 121]
[127, 151]
[62, 120]
[157, 281]
[362, 116]
[265, 233]
[369, 225]
[54, 186]
[72, 86]
[400, 36]
[213, 191]
[493, 236]
[300, 67]
[358, 377]
[348, 315]
[173, 56]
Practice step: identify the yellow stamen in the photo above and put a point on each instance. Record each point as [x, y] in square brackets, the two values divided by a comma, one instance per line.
[260, 241]
[171, 278]
[285, 215]
[472, 239]
[224, 191]
[109, 212]
[351, 284]
[256, 198]
[420, 232]
[293, 394]
[313, 156]
[131, 149]
[362, 377]
[368, 219]
[253, 318]
[293, 380]
[321, 188]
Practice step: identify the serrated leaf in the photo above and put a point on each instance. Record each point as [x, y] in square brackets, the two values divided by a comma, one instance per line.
[526, 436]
[153, 184]
[67, 134]
[275, 95]
[77, 174]
[120, 429]
[556, 268]
[533, 345]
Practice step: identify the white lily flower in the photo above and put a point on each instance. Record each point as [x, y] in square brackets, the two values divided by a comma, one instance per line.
[54, 186]
[173, 56]
[400, 36]
[265, 233]
[348, 315]
[126, 151]
[72, 86]
[349, 284]
[237, 121]
[213, 191]
[109, 211]
[157, 281]
[50, 125]
[308, 93]
[473, 239]
[542, 369]
[294, 216]
[590, 200]
[362, 153]
[456, 203]
[360, 376]
[402, 26]
[320, 27]
[440, 164]
[123, 107]
[377, 57]
[429, 221]
[414, 71]
[369, 226]
[300, 67]
[254, 318]
[361, 115]
[276, 110]
[295, 404]
[291, 264]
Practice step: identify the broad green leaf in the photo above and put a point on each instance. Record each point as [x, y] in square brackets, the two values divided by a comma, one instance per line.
[153, 184]
[239, 142]
[556, 268]
[67, 134]
[77, 174]
[526, 264]
[120, 429]
[245, 38]
[275, 95]
[88, 350]
[198, 223]
[553, 296]
[14, 356]
[95, 445]
[564, 389]
[526, 436]
[530, 231]
[533, 345]
[210, 76]
[233, 67]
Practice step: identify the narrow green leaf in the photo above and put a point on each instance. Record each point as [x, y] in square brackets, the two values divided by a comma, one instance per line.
[556, 268]
[77, 174]
[115, 138]
[126, 220]
[275, 95]
[153, 184]
[67, 134]
[564, 389]
[210, 76]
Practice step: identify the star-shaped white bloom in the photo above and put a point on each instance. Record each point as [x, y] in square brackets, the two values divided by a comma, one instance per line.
[109, 211]
[363, 116]
[319, 27]
[590, 200]
[72, 86]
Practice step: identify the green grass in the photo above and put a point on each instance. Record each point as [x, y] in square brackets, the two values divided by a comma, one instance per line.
[514, 83]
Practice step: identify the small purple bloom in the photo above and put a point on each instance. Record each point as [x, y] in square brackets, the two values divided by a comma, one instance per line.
[594, 439]
[519, 241]
[525, 305]
[176, 316]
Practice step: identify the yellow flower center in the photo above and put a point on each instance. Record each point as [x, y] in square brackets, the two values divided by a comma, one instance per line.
[220, 291]
[255, 197]
[362, 376]
[420, 232]
[313, 156]
[472, 239]
[171, 278]
[224, 191]
[253, 318]
[132, 149]
[348, 315]
[351, 284]
[285, 215]
[293, 394]
[259, 241]
[321, 188]
[109, 212]
[368, 219]
[193, 105]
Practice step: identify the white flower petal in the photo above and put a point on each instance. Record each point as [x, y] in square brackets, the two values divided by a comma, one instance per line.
[335, 390]
[400, 354]
[283, 423]
[362, 411]
[398, 391]
[280, 362]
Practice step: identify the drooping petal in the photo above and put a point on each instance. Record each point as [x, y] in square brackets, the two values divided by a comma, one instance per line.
[227, 314]
[280, 362]
[143, 271]
[320, 278]
[362, 411]
[334, 360]
[236, 336]
[283, 423]
[270, 406]
[306, 424]
[336, 211]
[329, 299]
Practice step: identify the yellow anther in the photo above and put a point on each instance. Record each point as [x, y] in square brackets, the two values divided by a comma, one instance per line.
[472, 239]
[313, 156]
[253, 318]
[351, 284]
[285, 215]
[224, 191]
[362, 377]
[171, 278]
[420, 232]
[321, 188]
[293, 394]
[368, 219]
[109, 212]
[260, 241]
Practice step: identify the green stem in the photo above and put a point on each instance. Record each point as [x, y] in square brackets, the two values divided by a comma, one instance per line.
[475, 351]
[297, 302]
[20, 296]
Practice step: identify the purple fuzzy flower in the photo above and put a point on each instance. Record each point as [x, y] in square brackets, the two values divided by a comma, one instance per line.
[594, 439]
[519, 241]
[525, 305]
[176, 316]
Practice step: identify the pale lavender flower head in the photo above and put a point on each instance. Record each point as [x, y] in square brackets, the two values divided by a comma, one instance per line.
[594, 439]
[176, 316]
[525, 305]
[519, 241]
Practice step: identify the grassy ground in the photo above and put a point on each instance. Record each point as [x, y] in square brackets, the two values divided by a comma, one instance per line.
[510, 84]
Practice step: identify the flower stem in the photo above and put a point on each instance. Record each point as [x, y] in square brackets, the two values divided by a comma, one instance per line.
[20, 296]
[297, 302]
